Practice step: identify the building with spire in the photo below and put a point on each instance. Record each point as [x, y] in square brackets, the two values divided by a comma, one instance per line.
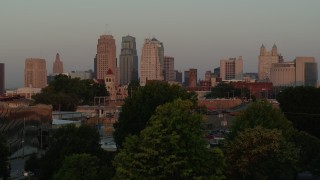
[151, 61]
[128, 60]
[106, 57]
[57, 65]
[266, 59]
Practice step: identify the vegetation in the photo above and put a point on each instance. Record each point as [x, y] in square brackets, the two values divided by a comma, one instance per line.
[223, 90]
[138, 109]
[170, 147]
[260, 153]
[78, 166]
[65, 93]
[69, 140]
[4, 154]
[301, 105]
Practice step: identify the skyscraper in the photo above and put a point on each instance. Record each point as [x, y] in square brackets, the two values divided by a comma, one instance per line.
[35, 73]
[2, 78]
[106, 57]
[168, 68]
[57, 65]
[151, 61]
[128, 60]
[178, 76]
[193, 77]
[266, 59]
[231, 68]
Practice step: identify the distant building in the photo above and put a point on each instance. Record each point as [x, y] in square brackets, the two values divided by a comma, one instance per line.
[266, 59]
[128, 60]
[168, 66]
[151, 61]
[303, 71]
[193, 78]
[35, 73]
[2, 79]
[216, 72]
[106, 56]
[250, 76]
[178, 76]
[231, 68]
[186, 79]
[81, 74]
[57, 65]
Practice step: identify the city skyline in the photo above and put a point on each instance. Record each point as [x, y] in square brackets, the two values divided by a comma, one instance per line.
[197, 34]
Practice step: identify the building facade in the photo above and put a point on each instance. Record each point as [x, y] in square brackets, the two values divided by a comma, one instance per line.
[178, 76]
[128, 60]
[81, 74]
[231, 68]
[2, 79]
[168, 66]
[57, 65]
[303, 71]
[266, 59]
[35, 73]
[193, 78]
[283, 74]
[106, 56]
[151, 61]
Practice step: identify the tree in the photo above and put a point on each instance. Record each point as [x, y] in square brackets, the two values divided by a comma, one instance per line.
[4, 164]
[66, 141]
[138, 109]
[65, 93]
[223, 90]
[260, 153]
[301, 105]
[260, 113]
[170, 147]
[32, 164]
[78, 167]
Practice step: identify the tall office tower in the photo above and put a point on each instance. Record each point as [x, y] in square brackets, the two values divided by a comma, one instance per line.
[57, 65]
[128, 60]
[193, 76]
[231, 68]
[178, 76]
[216, 72]
[306, 71]
[266, 59]
[168, 68]
[95, 67]
[106, 57]
[208, 75]
[186, 78]
[2, 78]
[151, 57]
[35, 73]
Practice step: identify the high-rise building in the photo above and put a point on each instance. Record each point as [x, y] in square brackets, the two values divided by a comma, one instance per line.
[35, 73]
[106, 57]
[231, 68]
[151, 61]
[168, 68]
[178, 76]
[2, 78]
[186, 78]
[266, 59]
[57, 65]
[128, 60]
[303, 71]
[193, 78]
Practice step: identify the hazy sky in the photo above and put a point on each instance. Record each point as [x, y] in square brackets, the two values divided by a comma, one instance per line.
[197, 33]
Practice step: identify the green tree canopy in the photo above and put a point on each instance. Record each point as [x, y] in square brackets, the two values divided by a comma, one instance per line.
[260, 153]
[78, 167]
[138, 109]
[170, 147]
[4, 154]
[224, 90]
[260, 113]
[301, 105]
[66, 141]
[65, 93]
